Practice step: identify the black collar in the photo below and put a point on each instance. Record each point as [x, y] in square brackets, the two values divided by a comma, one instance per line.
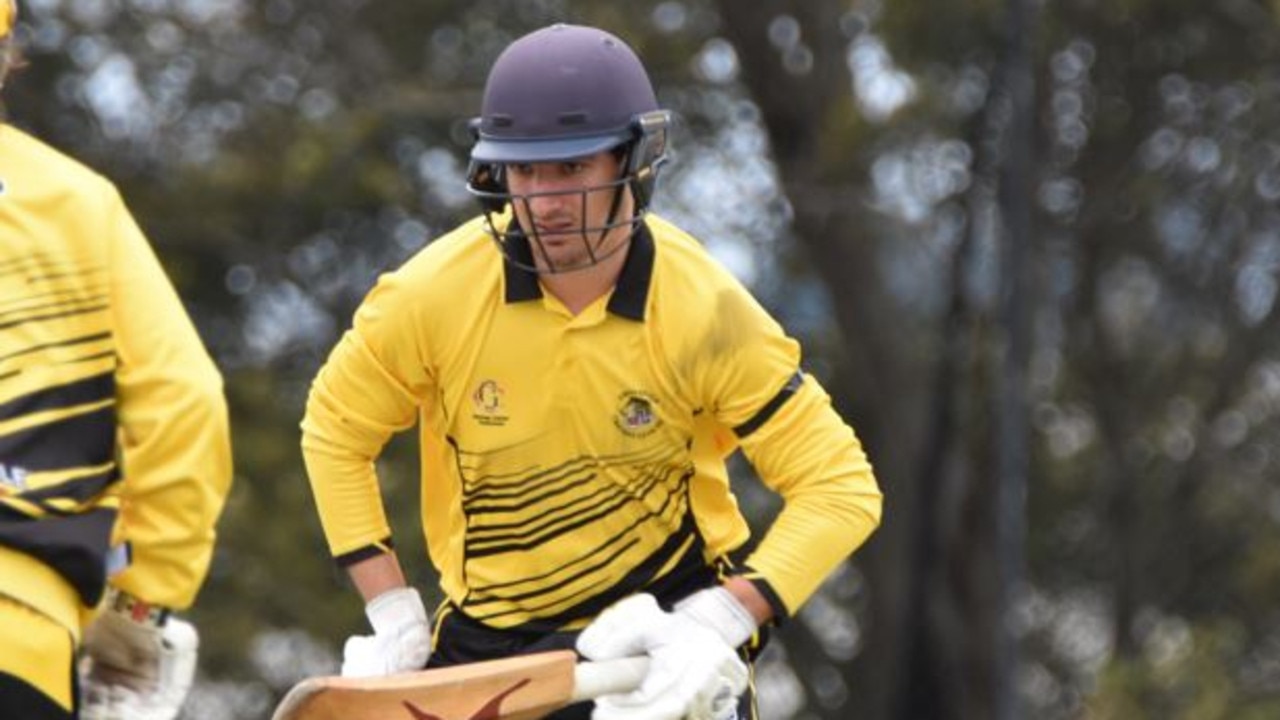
[629, 295]
[521, 284]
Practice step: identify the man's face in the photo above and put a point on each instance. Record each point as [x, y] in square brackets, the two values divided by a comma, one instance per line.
[564, 208]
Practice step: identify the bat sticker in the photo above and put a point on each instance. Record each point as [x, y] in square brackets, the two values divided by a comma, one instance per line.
[490, 711]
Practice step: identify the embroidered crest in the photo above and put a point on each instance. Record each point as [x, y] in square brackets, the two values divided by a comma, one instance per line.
[637, 415]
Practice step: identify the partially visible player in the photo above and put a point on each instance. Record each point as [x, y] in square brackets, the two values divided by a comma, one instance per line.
[114, 448]
[579, 369]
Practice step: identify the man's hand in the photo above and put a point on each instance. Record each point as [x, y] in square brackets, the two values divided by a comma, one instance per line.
[401, 639]
[137, 665]
[694, 669]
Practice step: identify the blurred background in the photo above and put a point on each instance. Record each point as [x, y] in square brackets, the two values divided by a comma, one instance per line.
[1032, 249]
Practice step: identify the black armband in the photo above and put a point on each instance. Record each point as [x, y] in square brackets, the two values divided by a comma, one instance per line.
[382, 547]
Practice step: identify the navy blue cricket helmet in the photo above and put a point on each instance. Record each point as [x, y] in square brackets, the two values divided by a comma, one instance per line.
[561, 93]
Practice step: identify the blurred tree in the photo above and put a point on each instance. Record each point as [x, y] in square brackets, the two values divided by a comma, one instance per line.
[1152, 316]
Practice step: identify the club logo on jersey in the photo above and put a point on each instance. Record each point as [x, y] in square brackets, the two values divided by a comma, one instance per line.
[487, 401]
[636, 415]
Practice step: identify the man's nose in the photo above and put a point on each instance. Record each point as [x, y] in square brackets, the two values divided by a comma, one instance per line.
[548, 194]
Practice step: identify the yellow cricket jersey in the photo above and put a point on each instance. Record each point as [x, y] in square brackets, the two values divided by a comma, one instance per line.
[568, 461]
[113, 427]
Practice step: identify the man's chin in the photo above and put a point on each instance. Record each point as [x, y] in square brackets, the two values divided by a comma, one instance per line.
[560, 266]
[566, 255]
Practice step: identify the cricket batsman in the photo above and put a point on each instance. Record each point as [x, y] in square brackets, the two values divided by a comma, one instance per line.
[579, 369]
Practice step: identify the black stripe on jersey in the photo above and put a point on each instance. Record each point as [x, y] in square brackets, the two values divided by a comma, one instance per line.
[528, 535]
[508, 592]
[481, 539]
[18, 265]
[351, 558]
[590, 564]
[491, 486]
[590, 561]
[76, 441]
[64, 343]
[501, 486]
[60, 303]
[493, 538]
[532, 489]
[64, 293]
[54, 316]
[74, 545]
[40, 263]
[771, 407]
[512, 492]
[690, 572]
[80, 392]
[90, 358]
[58, 276]
[79, 489]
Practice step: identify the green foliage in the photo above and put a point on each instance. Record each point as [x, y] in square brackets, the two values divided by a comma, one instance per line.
[1193, 676]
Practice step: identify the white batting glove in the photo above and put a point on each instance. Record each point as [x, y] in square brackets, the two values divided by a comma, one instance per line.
[136, 664]
[401, 639]
[694, 668]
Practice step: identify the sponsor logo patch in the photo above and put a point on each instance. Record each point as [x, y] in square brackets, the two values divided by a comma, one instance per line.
[488, 403]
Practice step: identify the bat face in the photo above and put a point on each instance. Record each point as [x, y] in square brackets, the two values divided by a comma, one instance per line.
[518, 688]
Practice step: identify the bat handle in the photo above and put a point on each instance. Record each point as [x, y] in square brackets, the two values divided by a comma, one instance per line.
[606, 677]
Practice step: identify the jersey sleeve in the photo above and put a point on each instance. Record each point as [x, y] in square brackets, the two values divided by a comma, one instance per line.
[807, 454]
[174, 438]
[750, 378]
[368, 389]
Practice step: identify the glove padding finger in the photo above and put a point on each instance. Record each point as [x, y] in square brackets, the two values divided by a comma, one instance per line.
[626, 628]
[401, 639]
[693, 672]
[361, 657]
[155, 686]
[680, 686]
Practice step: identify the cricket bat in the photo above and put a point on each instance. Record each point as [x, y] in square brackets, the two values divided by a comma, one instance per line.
[525, 687]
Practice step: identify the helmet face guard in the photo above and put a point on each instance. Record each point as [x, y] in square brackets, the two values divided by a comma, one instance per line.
[592, 236]
[642, 154]
[559, 94]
